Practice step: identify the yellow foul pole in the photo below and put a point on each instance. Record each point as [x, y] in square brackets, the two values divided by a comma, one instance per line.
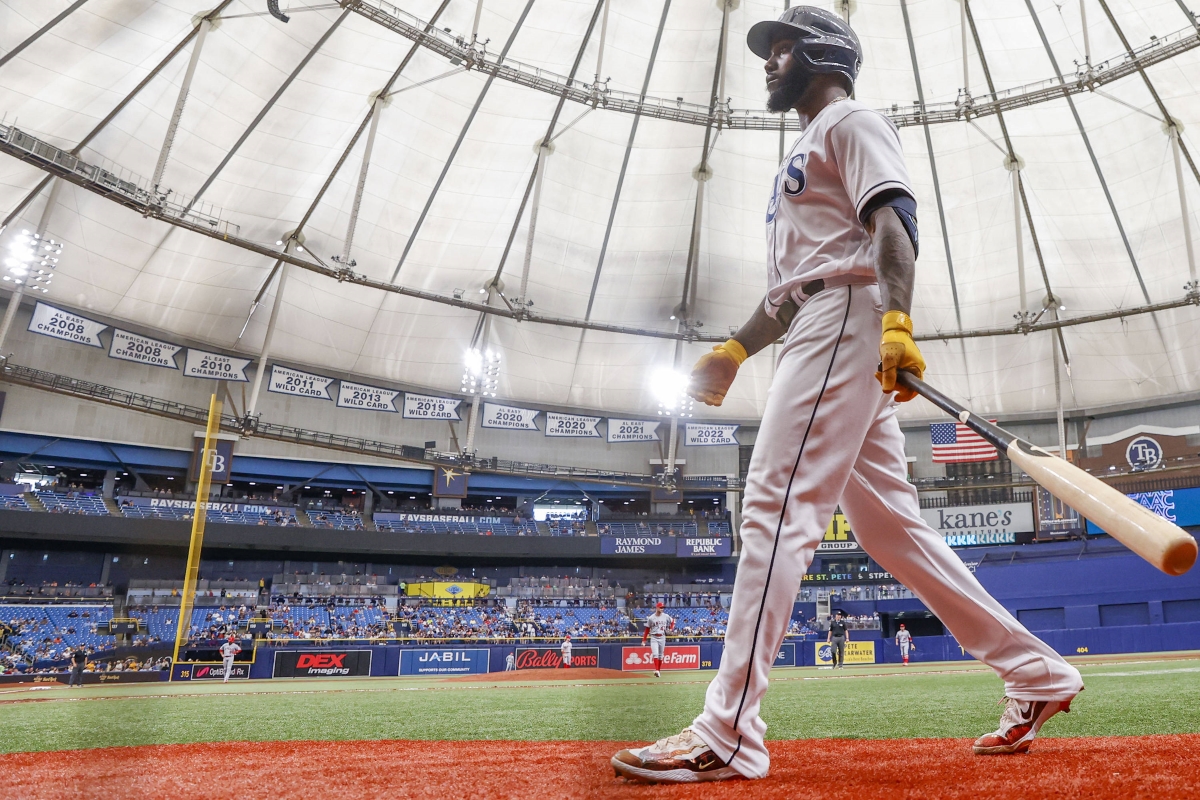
[193, 561]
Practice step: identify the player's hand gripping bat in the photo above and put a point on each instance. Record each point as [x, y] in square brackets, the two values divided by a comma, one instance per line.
[1162, 543]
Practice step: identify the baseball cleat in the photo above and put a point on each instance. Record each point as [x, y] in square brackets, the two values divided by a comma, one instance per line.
[1019, 724]
[682, 758]
[656, 674]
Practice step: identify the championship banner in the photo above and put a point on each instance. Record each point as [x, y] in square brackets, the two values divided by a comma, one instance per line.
[51, 321]
[856, 653]
[710, 547]
[143, 350]
[321, 663]
[674, 657]
[200, 364]
[551, 657]
[705, 435]
[968, 526]
[509, 417]
[571, 425]
[423, 406]
[370, 398]
[302, 384]
[637, 546]
[452, 661]
[633, 430]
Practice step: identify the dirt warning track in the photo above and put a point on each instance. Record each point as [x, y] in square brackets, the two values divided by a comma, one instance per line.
[1104, 768]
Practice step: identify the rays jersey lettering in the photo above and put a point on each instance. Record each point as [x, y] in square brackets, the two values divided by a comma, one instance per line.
[659, 623]
[847, 155]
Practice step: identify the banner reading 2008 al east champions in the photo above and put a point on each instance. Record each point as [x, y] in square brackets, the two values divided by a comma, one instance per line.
[51, 321]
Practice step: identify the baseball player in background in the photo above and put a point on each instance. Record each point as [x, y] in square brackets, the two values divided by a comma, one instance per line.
[228, 650]
[841, 248]
[565, 647]
[904, 641]
[657, 625]
[510, 662]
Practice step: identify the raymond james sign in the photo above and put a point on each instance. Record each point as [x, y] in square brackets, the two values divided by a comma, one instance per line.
[965, 526]
[637, 545]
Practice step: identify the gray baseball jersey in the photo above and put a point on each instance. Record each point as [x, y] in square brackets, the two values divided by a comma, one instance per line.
[659, 623]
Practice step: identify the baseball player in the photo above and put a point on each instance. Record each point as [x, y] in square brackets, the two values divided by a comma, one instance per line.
[657, 625]
[841, 251]
[510, 663]
[904, 641]
[228, 650]
[565, 647]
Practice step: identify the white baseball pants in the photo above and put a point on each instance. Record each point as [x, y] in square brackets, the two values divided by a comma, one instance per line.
[658, 646]
[830, 434]
[227, 663]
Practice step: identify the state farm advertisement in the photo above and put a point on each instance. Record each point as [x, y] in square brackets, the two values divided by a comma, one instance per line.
[551, 657]
[676, 656]
[321, 663]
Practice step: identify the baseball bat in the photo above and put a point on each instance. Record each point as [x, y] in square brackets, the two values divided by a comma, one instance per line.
[1158, 540]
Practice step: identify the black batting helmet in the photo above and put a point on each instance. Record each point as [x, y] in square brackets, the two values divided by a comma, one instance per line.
[825, 43]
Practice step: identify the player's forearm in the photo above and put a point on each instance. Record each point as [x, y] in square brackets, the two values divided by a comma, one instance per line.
[895, 263]
[759, 331]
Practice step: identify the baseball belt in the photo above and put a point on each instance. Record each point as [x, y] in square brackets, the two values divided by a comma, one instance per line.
[787, 310]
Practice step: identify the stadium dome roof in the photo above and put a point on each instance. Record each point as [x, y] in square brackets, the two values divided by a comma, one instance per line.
[277, 120]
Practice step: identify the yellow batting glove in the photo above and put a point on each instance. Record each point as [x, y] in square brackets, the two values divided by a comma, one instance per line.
[897, 350]
[715, 371]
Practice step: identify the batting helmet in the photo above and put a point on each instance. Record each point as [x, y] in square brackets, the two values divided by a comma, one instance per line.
[824, 44]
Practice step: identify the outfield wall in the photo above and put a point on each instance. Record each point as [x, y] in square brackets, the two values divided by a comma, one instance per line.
[327, 661]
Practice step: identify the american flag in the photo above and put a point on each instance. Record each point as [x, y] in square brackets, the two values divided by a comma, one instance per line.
[955, 443]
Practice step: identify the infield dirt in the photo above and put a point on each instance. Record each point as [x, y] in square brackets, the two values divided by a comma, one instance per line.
[1103, 768]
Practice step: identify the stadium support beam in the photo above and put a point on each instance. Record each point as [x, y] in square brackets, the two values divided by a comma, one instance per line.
[267, 107]
[1184, 216]
[66, 12]
[185, 87]
[462, 135]
[937, 186]
[612, 213]
[600, 48]
[1087, 143]
[269, 337]
[117, 109]
[539, 172]
[192, 572]
[375, 113]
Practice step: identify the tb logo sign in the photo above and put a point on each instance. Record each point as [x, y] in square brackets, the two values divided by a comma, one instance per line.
[1144, 453]
[219, 459]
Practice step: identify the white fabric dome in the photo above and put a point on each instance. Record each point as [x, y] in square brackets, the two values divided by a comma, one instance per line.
[144, 271]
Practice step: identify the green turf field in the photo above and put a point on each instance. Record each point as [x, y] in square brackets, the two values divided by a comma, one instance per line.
[930, 700]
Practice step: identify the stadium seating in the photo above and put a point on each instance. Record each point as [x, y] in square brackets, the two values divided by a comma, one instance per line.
[272, 515]
[719, 528]
[335, 520]
[388, 521]
[650, 527]
[73, 502]
[14, 502]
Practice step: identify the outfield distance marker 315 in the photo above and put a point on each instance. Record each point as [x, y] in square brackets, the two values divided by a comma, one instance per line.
[1158, 540]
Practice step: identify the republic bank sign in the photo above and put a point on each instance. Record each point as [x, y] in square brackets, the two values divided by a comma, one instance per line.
[968, 526]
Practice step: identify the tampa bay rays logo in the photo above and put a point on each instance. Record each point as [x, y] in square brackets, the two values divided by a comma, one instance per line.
[791, 180]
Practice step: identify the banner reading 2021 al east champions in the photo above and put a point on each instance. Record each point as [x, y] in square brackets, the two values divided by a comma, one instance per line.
[633, 430]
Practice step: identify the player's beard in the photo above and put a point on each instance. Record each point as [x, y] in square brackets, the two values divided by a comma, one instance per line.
[792, 87]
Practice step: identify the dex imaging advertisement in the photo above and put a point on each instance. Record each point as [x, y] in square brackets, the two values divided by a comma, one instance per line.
[321, 663]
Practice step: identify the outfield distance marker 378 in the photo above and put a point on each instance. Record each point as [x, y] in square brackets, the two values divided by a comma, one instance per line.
[1158, 540]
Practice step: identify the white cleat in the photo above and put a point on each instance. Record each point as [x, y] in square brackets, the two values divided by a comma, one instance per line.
[683, 758]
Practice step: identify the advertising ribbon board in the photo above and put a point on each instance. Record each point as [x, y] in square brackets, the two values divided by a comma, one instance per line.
[142, 350]
[200, 364]
[369, 398]
[571, 425]
[551, 657]
[1181, 506]
[285, 380]
[424, 406]
[633, 430]
[674, 657]
[216, 672]
[509, 417]
[967, 526]
[321, 663]
[637, 545]
[452, 661]
[838, 537]
[856, 653]
[786, 657]
[702, 547]
[700, 434]
[51, 321]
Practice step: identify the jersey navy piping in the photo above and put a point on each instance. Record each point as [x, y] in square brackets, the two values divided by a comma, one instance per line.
[779, 526]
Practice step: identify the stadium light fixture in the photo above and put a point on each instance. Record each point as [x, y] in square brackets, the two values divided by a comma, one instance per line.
[669, 387]
[32, 260]
[481, 372]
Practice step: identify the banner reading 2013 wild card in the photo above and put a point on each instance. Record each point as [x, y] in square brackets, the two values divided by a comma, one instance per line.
[371, 398]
